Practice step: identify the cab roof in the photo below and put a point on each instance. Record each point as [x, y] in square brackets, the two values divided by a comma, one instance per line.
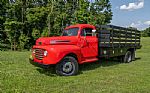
[80, 26]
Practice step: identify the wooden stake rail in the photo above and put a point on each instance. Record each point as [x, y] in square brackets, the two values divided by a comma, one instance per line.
[115, 36]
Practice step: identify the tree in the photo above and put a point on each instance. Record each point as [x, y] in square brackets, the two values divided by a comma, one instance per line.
[82, 13]
[12, 29]
[98, 12]
[15, 22]
[146, 32]
[56, 16]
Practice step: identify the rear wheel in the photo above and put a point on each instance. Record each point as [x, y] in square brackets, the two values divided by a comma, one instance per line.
[128, 57]
[67, 67]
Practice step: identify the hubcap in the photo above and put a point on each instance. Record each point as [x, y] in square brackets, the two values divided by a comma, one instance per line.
[67, 67]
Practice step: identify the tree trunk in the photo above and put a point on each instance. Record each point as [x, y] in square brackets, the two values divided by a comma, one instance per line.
[15, 45]
[49, 26]
[11, 46]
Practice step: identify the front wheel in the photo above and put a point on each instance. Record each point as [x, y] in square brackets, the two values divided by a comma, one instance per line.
[68, 66]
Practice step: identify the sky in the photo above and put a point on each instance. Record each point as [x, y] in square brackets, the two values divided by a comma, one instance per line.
[131, 13]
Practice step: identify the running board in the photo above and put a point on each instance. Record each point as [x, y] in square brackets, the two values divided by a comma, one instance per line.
[90, 60]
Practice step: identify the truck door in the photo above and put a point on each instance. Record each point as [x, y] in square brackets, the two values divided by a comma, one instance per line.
[89, 48]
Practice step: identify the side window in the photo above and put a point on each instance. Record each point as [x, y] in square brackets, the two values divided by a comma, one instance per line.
[86, 32]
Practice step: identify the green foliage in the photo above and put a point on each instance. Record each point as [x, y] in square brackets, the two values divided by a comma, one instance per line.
[45, 32]
[36, 15]
[146, 32]
[3, 7]
[35, 33]
[82, 14]
[23, 40]
[12, 29]
[101, 9]
[31, 19]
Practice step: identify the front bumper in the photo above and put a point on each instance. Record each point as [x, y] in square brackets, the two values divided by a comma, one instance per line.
[37, 64]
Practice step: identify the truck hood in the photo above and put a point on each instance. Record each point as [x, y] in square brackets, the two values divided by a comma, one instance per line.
[61, 40]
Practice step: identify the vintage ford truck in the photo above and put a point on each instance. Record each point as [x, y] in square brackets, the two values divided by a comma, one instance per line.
[83, 43]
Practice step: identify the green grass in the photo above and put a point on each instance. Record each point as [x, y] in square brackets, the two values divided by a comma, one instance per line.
[18, 75]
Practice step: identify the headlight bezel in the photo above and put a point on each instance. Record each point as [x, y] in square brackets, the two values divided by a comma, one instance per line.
[45, 53]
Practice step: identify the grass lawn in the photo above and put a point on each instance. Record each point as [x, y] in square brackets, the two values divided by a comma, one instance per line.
[18, 75]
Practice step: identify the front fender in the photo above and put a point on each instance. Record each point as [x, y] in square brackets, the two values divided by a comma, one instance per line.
[58, 52]
[69, 49]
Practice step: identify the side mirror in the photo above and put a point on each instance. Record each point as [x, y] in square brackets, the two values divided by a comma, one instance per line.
[93, 31]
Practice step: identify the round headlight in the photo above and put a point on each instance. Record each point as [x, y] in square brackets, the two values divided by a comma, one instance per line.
[45, 53]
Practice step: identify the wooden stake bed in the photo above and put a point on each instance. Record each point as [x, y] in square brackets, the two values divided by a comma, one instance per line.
[115, 39]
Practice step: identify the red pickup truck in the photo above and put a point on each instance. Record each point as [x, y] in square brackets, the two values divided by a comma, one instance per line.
[83, 43]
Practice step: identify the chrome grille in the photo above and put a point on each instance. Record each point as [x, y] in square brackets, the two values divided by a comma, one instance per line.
[39, 54]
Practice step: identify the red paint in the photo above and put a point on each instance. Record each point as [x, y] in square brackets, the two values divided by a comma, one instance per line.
[85, 48]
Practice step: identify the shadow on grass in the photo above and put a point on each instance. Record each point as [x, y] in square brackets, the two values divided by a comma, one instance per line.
[50, 71]
[137, 58]
[102, 63]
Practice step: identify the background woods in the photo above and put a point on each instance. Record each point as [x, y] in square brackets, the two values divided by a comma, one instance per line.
[23, 21]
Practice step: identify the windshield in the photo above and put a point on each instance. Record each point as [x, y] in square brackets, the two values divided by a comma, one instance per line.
[70, 32]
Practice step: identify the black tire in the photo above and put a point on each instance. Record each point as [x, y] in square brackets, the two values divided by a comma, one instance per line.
[133, 56]
[68, 66]
[128, 57]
